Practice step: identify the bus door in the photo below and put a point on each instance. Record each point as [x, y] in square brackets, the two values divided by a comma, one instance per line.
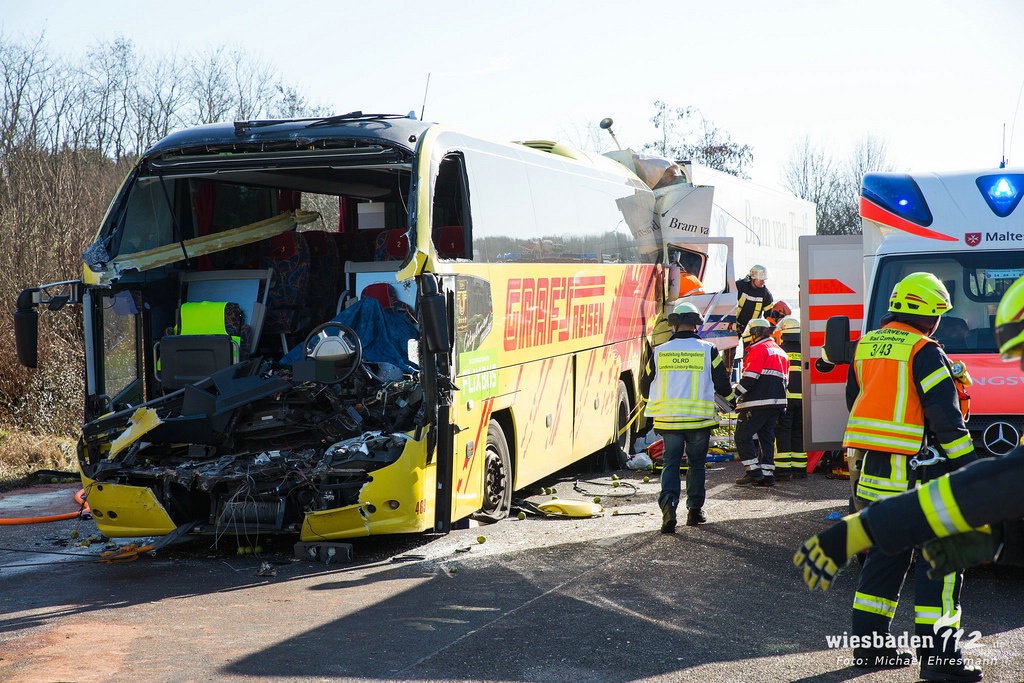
[114, 353]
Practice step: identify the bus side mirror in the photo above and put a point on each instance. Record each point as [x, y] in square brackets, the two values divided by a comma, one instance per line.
[434, 317]
[838, 349]
[26, 329]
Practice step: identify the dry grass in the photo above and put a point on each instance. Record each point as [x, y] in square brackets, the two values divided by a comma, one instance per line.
[22, 454]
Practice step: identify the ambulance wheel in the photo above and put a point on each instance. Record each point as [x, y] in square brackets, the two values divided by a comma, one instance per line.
[497, 499]
[617, 452]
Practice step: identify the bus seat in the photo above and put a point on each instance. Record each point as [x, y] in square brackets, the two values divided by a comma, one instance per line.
[387, 297]
[356, 246]
[208, 336]
[287, 255]
[324, 275]
[391, 245]
[450, 241]
[360, 275]
[248, 289]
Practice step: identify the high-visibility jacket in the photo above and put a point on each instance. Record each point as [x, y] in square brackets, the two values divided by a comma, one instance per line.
[899, 389]
[764, 378]
[685, 374]
[986, 492]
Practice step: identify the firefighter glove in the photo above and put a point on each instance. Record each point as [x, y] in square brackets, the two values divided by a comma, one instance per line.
[821, 556]
[955, 553]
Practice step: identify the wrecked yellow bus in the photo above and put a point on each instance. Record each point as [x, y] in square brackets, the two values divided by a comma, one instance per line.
[353, 325]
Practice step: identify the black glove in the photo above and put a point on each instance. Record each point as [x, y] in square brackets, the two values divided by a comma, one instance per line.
[821, 556]
[958, 552]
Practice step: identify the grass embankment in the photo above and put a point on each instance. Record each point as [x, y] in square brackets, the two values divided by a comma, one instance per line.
[22, 454]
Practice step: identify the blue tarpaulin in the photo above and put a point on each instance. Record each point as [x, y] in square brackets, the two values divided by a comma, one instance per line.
[384, 334]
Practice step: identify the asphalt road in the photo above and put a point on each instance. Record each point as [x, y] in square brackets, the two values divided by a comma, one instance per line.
[563, 600]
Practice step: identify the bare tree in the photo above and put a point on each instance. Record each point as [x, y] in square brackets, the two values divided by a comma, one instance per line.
[68, 134]
[814, 174]
[687, 135]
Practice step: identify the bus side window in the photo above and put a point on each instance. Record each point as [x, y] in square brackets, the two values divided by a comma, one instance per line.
[450, 218]
[450, 241]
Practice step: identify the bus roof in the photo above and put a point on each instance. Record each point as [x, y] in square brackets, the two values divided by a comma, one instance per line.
[396, 130]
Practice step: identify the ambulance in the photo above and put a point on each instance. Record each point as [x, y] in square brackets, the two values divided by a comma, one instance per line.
[966, 228]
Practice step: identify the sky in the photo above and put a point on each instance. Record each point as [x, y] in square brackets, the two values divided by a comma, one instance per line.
[940, 81]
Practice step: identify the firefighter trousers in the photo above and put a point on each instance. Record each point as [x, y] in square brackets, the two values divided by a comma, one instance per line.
[936, 602]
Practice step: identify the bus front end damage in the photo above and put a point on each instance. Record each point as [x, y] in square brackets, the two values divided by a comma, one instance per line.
[258, 448]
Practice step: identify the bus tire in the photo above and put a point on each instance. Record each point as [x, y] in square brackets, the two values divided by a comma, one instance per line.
[617, 452]
[497, 493]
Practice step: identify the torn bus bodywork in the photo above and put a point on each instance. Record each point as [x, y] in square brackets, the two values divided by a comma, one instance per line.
[250, 450]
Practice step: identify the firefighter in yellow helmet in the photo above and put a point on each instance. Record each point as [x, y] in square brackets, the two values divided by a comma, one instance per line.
[905, 416]
[949, 515]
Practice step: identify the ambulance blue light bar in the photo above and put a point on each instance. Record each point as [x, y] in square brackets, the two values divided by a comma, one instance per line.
[898, 194]
[1002, 192]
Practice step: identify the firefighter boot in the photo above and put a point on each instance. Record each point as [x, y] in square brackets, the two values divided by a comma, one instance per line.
[668, 519]
[751, 477]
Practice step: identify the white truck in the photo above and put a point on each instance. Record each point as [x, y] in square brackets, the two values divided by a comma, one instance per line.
[964, 227]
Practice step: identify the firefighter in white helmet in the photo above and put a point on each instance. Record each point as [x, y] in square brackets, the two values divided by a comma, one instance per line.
[761, 398]
[680, 383]
[753, 299]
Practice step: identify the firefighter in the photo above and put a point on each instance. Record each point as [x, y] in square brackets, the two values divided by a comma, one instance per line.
[761, 398]
[774, 315]
[904, 414]
[790, 457]
[685, 374]
[947, 514]
[754, 299]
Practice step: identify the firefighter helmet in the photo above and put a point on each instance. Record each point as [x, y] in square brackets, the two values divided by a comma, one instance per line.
[758, 272]
[757, 327]
[789, 325]
[779, 311]
[920, 294]
[686, 314]
[1010, 321]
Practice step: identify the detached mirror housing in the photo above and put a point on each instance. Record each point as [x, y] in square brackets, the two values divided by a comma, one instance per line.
[434, 317]
[838, 349]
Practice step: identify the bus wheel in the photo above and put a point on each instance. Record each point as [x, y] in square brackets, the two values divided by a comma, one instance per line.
[497, 477]
[617, 452]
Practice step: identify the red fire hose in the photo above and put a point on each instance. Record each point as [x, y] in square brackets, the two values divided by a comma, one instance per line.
[79, 498]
